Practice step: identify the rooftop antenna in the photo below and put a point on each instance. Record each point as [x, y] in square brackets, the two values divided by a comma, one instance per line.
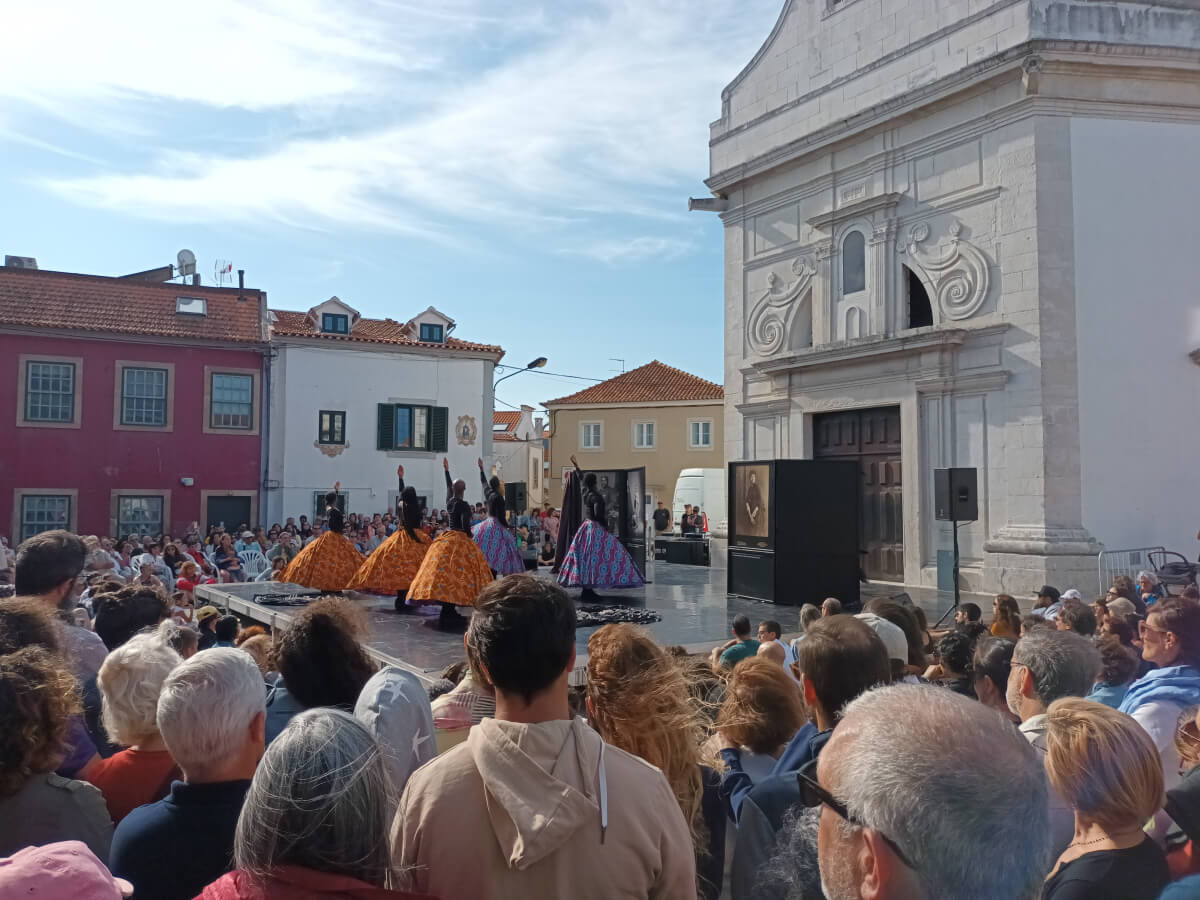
[618, 360]
[185, 263]
[223, 272]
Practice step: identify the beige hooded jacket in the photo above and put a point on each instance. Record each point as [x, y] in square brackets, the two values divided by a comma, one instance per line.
[542, 811]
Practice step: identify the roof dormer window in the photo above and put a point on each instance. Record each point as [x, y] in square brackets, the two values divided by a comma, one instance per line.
[432, 333]
[191, 306]
[334, 323]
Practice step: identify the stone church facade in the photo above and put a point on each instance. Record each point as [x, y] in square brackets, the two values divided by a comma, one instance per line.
[964, 233]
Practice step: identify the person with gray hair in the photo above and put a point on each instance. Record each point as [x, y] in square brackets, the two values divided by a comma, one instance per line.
[831, 606]
[211, 715]
[316, 816]
[130, 681]
[1047, 665]
[898, 810]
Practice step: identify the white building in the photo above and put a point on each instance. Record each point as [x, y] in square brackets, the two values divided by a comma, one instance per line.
[964, 233]
[352, 398]
[519, 447]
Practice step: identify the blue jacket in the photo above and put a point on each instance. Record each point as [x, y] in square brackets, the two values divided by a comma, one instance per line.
[736, 784]
[173, 849]
[1171, 684]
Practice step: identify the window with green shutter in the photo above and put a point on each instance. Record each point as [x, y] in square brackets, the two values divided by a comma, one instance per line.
[422, 429]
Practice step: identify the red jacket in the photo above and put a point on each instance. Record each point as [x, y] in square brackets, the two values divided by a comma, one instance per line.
[299, 883]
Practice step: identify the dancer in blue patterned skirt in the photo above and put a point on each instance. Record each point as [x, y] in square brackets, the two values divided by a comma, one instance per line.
[492, 534]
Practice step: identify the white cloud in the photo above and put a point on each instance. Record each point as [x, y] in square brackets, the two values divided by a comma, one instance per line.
[632, 250]
[544, 123]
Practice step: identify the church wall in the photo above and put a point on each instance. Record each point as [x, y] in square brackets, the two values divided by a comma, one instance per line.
[1135, 198]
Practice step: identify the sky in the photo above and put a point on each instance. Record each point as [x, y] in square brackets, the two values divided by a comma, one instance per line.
[523, 167]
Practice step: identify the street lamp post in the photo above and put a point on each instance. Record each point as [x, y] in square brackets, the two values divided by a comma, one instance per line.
[538, 363]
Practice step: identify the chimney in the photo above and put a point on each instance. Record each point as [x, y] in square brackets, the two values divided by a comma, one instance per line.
[241, 285]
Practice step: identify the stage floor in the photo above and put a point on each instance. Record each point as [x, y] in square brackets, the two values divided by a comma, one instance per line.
[696, 612]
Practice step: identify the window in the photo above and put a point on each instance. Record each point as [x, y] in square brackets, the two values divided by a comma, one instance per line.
[432, 334]
[920, 312]
[700, 434]
[143, 515]
[413, 427]
[191, 306]
[643, 435]
[232, 401]
[49, 392]
[319, 503]
[592, 436]
[331, 427]
[143, 396]
[854, 263]
[44, 512]
[333, 323]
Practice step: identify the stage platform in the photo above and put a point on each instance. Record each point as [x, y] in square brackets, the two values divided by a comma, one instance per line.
[696, 612]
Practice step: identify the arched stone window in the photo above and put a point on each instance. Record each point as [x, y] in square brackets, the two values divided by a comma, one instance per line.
[854, 263]
[920, 311]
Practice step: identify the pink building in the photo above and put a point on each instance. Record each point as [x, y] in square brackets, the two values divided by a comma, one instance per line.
[131, 406]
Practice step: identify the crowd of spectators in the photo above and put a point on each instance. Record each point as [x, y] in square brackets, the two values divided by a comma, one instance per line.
[149, 747]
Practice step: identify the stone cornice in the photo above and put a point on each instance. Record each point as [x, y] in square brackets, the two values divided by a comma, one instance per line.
[1077, 57]
[855, 210]
[872, 348]
[767, 407]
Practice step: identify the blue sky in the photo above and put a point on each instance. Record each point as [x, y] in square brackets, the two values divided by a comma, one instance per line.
[523, 167]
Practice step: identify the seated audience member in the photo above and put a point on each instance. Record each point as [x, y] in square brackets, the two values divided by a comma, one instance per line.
[146, 576]
[989, 671]
[228, 561]
[1076, 616]
[285, 550]
[888, 804]
[1006, 617]
[761, 713]
[1149, 588]
[740, 647]
[182, 608]
[47, 569]
[1048, 603]
[546, 555]
[953, 669]
[808, 614]
[966, 614]
[1108, 770]
[206, 619]
[770, 646]
[316, 817]
[637, 700]
[321, 662]
[904, 618]
[394, 708]
[1124, 586]
[121, 615]
[1170, 640]
[1118, 668]
[66, 870]
[617, 830]
[259, 648]
[278, 567]
[130, 681]
[1046, 666]
[210, 715]
[1030, 622]
[894, 641]
[38, 697]
[831, 606]
[184, 641]
[1177, 824]
[840, 658]
[226, 631]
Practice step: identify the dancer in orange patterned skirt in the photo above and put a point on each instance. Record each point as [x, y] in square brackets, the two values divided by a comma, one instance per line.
[329, 562]
[393, 566]
[454, 570]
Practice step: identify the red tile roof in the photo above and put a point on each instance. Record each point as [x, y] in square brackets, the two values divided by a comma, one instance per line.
[509, 420]
[38, 298]
[290, 323]
[654, 382]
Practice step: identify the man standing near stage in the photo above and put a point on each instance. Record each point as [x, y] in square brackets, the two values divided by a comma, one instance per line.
[662, 519]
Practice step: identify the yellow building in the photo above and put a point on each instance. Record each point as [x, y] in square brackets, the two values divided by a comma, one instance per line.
[655, 416]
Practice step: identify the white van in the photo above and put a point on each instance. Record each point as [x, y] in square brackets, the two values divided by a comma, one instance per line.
[704, 488]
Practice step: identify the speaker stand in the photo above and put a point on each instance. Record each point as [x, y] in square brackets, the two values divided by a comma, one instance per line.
[954, 608]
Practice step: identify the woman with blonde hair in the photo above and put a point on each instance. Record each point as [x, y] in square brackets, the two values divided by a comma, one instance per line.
[637, 699]
[1107, 769]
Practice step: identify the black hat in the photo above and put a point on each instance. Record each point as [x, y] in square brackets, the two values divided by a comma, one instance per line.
[1047, 591]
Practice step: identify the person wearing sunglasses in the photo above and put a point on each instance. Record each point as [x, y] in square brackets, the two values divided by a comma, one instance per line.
[1170, 636]
[892, 820]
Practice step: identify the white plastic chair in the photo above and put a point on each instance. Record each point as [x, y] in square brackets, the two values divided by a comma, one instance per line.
[254, 563]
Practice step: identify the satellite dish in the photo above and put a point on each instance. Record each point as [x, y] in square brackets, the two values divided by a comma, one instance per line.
[187, 262]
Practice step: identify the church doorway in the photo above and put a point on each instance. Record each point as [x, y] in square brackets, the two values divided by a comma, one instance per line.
[871, 436]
